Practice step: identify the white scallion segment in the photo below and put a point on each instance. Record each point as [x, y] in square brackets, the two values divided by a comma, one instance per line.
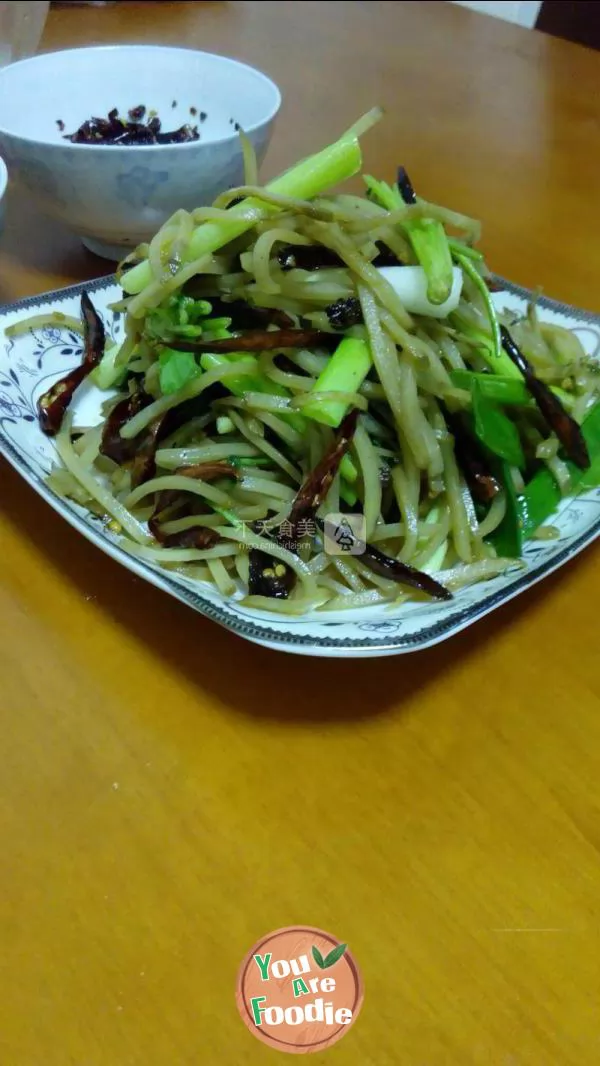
[410, 284]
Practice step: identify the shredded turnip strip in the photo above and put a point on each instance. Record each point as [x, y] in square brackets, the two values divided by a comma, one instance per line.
[440, 531]
[319, 563]
[193, 389]
[381, 583]
[250, 161]
[265, 475]
[449, 349]
[158, 253]
[242, 566]
[313, 363]
[263, 401]
[419, 433]
[350, 575]
[431, 367]
[264, 446]
[295, 382]
[267, 488]
[332, 237]
[399, 335]
[302, 605]
[406, 483]
[332, 585]
[320, 210]
[182, 484]
[157, 291]
[461, 534]
[333, 496]
[321, 291]
[352, 399]
[459, 576]
[470, 512]
[188, 433]
[268, 503]
[369, 464]
[494, 516]
[220, 576]
[261, 255]
[352, 600]
[95, 489]
[177, 525]
[92, 445]
[283, 430]
[560, 471]
[179, 555]
[383, 350]
[172, 458]
[221, 214]
[53, 319]
[388, 531]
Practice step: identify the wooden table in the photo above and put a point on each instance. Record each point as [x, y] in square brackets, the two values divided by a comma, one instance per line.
[170, 793]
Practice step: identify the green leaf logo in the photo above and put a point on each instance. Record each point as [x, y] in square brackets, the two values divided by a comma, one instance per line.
[329, 960]
[316, 954]
[335, 954]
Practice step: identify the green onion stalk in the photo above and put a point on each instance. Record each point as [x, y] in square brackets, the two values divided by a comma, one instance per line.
[307, 179]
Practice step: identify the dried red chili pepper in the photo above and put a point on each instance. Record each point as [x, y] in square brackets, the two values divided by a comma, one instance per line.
[52, 406]
[481, 482]
[566, 428]
[313, 491]
[404, 574]
[260, 341]
[271, 577]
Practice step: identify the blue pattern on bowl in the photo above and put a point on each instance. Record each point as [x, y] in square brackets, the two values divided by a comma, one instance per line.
[136, 186]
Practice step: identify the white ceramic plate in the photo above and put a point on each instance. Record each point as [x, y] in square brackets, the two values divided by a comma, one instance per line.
[29, 364]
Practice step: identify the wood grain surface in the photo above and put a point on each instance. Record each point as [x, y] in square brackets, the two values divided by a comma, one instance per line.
[170, 794]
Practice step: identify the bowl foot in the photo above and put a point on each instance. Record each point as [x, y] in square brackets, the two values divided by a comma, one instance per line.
[115, 252]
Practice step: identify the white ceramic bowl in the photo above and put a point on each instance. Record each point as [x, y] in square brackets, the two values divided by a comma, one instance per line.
[116, 197]
[3, 187]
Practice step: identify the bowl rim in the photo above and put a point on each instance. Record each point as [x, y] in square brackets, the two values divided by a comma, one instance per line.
[154, 48]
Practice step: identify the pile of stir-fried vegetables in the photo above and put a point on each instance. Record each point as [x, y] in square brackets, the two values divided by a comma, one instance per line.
[290, 354]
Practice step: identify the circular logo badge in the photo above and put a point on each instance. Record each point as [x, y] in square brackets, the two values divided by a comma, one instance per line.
[299, 989]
